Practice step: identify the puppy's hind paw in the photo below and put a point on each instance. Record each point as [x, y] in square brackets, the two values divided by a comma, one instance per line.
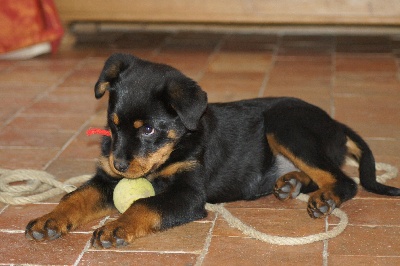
[287, 187]
[321, 204]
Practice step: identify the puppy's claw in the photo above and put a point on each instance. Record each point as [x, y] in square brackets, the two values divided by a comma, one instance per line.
[37, 236]
[120, 242]
[106, 244]
[52, 234]
[286, 188]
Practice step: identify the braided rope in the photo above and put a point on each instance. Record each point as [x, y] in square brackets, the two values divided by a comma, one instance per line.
[37, 186]
[34, 186]
[282, 240]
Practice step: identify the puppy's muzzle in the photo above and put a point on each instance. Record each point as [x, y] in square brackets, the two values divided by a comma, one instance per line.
[121, 165]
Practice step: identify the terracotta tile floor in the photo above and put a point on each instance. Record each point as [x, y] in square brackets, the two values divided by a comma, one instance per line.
[47, 103]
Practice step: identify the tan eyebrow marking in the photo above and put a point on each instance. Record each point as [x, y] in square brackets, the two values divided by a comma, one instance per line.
[171, 134]
[138, 124]
[115, 119]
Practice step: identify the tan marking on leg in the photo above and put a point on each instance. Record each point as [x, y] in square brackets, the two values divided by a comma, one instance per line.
[353, 149]
[300, 176]
[75, 209]
[137, 221]
[320, 177]
[141, 220]
[285, 180]
[82, 205]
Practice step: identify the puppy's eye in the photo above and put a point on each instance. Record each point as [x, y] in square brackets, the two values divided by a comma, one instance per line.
[147, 130]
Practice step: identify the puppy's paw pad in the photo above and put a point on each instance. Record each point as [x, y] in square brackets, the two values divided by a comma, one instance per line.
[287, 189]
[320, 206]
[46, 228]
[37, 235]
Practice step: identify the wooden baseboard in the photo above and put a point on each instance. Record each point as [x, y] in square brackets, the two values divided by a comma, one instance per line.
[328, 12]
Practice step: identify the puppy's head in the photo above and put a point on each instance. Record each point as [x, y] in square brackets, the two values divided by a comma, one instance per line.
[151, 106]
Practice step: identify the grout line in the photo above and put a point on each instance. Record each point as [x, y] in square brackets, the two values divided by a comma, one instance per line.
[72, 138]
[267, 75]
[325, 253]
[145, 251]
[207, 243]
[211, 57]
[84, 250]
[88, 244]
[4, 208]
[11, 231]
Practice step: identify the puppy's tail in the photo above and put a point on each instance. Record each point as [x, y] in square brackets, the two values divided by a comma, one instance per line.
[359, 150]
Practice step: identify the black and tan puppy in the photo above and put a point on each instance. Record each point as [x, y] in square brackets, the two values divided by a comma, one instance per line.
[163, 129]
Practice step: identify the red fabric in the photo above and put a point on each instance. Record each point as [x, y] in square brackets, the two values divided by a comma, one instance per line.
[27, 22]
[98, 131]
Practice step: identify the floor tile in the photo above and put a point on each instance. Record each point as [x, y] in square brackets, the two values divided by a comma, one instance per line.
[230, 86]
[36, 77]
[244, 251]
[58, 124]
[17, 217]
[63, 251]
[337, 260]
[64, 169]
[240, 62]
[373, 212]
[91, 150]
[365, 64]
[192, 68]
[33, 138]
[137, 258]
[288, 223]
[377, 240]
[375, 121]
[26, 157]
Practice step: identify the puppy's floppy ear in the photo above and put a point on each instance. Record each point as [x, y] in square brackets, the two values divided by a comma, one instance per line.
[188, 100]
[113, 67]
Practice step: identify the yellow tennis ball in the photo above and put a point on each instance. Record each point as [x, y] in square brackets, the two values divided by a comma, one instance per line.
[128, 191]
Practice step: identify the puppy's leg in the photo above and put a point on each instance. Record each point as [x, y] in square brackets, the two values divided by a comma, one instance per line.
[90, 201]
[181, 203]
[334, 187]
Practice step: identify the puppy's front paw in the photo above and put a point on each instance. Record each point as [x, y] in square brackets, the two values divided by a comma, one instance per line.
[137, 221]
[47, 227]
[113, 234]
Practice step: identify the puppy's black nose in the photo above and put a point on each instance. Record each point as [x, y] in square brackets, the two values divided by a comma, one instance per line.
[121, 165]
